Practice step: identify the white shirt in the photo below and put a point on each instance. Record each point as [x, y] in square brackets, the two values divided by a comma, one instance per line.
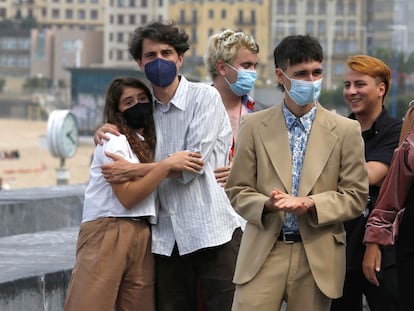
[194, 210]
[100, 200]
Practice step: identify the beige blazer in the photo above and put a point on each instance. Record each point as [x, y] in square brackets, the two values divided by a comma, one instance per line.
[334, 175]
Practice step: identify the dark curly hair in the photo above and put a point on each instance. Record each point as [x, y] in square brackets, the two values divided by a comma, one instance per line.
[144, 149]
[164, 32]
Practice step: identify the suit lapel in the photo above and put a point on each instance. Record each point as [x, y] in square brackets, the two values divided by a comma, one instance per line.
[321, 142]
[275, 140]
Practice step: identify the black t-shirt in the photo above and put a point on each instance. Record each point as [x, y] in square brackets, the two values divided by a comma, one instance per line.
[380, 142]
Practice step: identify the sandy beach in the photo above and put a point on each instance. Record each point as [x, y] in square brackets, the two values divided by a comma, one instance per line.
[36, 167]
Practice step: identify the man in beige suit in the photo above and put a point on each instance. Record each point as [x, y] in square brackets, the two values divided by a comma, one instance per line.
[298, 173]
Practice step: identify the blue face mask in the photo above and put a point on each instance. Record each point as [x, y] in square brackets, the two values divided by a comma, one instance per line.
[304, 92]
[161, 72]
[245, 81]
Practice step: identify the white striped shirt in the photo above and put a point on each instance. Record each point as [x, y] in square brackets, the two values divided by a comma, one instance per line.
[194, 210]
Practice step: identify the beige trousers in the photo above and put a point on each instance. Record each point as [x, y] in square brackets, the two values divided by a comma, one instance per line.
[285, 276]
[114, 267]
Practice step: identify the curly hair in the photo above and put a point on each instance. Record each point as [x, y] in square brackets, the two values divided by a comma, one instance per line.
[164, 32]
[144, 149]
[223, 46]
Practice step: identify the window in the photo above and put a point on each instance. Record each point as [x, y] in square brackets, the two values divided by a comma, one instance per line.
[81, 14]
[309, 26]
[352, 46]
[23, 43]
[210, 32]
[339, 69]
[210, 14]
[119, 55]
[241, 16]
[339, 47]
[121, 3]
[55, 14]
[340, 7]
[120, 37]
[223, 14]
[322, 7]
[69, 14]
[194, 16]
[120, 19]
[339, 28]
[352, 7]
[321, 27]
[144, 19]
[292, 7]
[23, 61]
[94, 14]
[182, 16]
[280, 7]
[144, 3]
[131, 3]
[253, 16]
[132, 19]
[292, 26]
[310, 7]
[351, 28]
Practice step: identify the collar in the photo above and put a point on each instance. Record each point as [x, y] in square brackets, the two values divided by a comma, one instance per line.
[178, 99]
[306, 119]
[377, 124]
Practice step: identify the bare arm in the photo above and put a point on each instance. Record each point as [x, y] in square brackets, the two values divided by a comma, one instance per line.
[376, 172]
[120, 170]
[131, 192]
[371, 263]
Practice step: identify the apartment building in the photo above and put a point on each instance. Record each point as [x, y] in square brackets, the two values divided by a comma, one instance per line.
[343, 27]
[121, 19]
[84, 14]
[201, 19]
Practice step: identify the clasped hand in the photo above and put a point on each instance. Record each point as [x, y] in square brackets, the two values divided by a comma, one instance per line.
[280, 201]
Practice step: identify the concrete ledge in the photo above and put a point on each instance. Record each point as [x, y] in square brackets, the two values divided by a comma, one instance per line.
[40, 209]
[35, 269]
[38, 233]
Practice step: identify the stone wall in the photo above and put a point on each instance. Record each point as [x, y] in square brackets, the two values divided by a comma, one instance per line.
[38, 231]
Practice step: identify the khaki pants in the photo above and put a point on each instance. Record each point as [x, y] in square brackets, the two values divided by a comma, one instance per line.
[114, 267]
[285, 275]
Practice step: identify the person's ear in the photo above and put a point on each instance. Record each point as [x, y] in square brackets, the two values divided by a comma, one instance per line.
[280, 76]
[221, 67]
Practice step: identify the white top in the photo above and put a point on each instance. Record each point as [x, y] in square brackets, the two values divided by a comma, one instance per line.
[194, 211]
[100, 200]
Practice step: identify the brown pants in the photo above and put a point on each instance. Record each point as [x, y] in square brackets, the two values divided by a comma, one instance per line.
[114, 267]
[177, 277]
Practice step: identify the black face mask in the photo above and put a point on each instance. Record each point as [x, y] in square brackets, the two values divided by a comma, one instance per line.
[139, 115]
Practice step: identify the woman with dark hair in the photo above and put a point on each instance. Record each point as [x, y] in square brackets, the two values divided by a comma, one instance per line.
[114, 265]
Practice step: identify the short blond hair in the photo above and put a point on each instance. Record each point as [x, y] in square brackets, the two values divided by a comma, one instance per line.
[223, 46]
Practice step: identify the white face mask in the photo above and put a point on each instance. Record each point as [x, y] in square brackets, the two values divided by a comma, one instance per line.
[304, 92]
